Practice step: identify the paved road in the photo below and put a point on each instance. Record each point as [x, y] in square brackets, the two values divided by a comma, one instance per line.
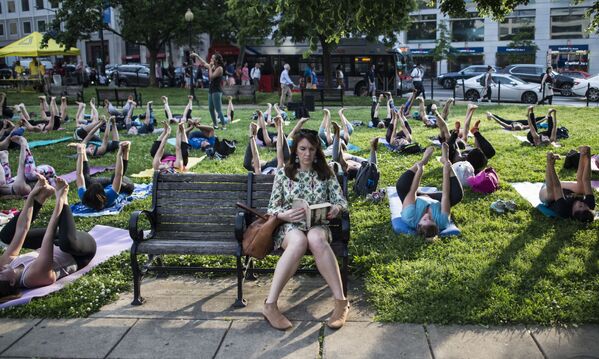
[186, 317]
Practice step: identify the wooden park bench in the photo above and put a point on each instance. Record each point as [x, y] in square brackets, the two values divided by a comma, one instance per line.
[195, 214]
[332, 95]
[118, 95]
[71, 92]
[238, 91]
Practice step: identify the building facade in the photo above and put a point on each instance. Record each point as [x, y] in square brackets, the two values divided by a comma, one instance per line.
[556, 27]
[19, 18]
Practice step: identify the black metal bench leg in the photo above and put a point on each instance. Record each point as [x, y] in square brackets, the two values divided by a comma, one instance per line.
[240, 302]
[137, 299]
[344, 274]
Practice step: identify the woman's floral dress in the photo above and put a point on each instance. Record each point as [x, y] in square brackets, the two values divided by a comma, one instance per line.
[307, 187]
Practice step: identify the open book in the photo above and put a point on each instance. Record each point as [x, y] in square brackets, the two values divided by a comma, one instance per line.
[315, 214]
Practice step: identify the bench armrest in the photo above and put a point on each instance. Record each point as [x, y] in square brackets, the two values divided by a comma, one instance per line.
[136, 234]
[239, 226]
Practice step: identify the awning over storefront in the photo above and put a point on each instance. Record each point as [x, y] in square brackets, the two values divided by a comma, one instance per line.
[468, 50]
[569, 48]
[515, 50]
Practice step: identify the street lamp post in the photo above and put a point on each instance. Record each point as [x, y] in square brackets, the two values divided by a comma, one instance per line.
[189, 19]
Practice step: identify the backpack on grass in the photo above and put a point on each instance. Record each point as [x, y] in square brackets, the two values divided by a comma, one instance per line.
[367, 179]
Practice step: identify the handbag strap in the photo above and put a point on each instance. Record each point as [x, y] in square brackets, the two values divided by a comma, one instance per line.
[251, 210]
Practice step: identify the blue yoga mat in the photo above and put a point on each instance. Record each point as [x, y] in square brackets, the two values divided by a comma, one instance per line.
[141, 191]
[42, 143]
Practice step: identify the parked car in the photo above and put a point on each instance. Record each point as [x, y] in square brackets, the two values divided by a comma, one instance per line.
[534, 73]
[132, 75]
[590, 87]
[512, 89]
[449, 79]
[576, 74]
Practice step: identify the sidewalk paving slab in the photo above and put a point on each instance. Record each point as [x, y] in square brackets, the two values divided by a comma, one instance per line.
[71, 338]
[171, 339]
[574, 342]
[471, 341]
[305, 298]
[13, 329]
[257, 339]
[376, 340]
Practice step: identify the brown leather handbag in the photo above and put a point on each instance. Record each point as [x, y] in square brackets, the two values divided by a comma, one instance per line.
[257, 238]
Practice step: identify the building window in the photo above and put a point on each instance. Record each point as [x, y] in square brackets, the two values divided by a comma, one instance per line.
[24, 5]
[39, 4]
[11, 6]
[41, 26]
[471, 28]
[520, 25]
[569, 23]
[53, 4]
[26, 27]
[1, 29]
[0, 8]
[423, 28]
[12, 28]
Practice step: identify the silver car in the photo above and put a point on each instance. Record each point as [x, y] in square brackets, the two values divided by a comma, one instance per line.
[509, 87]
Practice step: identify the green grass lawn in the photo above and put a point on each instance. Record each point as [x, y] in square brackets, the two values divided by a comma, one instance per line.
[514, 268]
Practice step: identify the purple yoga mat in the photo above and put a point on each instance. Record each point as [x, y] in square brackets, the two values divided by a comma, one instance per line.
[72, 176]
[110, 241]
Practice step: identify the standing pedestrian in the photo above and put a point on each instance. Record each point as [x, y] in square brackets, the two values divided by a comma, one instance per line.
[286, 86]
[487, 82]
[417, 74]
[255, 75]
[547, 86]
[371, 81]
[215, 91]
[245, 75]
[339, 77]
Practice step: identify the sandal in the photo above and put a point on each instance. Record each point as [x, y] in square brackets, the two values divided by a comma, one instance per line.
[498, 207]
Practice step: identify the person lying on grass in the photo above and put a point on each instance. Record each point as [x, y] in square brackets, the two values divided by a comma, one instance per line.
[48, 110]
[570, 199]
[431, 120]
[251, 159]
[348, 163]
[60, 249]
[7, 131]
[17, 186]
[399, 132]
[102, 192]
[324, 131]
[47, 123]
[107, 145]
[167, 162]
[479, 155]
[549, 136]
[428, 214]
[516, 125]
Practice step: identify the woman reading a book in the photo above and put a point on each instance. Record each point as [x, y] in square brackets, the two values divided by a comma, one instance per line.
[305, 176]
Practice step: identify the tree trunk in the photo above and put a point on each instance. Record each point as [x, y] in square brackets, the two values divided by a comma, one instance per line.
[153, 56]
[326, 63]
[240, 58]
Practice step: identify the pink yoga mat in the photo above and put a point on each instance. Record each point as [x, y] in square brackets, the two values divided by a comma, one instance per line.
[72, 176]
[110, 242]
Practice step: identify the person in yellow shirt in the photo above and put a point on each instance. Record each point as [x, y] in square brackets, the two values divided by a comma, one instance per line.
[18, 70]
[34, 69]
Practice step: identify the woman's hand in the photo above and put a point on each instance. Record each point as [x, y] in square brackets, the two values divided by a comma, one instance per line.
[333, 212]
[292, 215]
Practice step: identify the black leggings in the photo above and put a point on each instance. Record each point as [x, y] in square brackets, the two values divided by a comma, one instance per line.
[549, 99]
[260, 135]
[127, 185]
[248, 157]
[399, 134]
[184, 151]
[484, 146]
[404, 183]
[544, 133]
[522, 122]
[45, 123]
[81, 245]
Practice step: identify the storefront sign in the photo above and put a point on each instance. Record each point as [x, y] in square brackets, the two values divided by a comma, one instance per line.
[515, 50]
[422, 52]
[468, 50]
[570, 48]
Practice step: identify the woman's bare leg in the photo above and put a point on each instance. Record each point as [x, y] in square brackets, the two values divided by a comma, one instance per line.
[24, 112]
[262, 125]
[30, 127]
[443, 130]
[268, 113]
[553, 114]
[63, 108]
[20, 185]
[393, 125]
[294, 245]
[281, 142]
[43, 104]
[466, 129]
[181, 137]
[325, 259]
[422, 111]
[326, 126]
[188, 108]
[553, 188]
[230, 109]
[298, 126]
[148, 119]
[79, 117]
[163, 138]
[253, 128]
[345, 123]
[533, 131]
[450, 101]
[402, 121]
[167, 109]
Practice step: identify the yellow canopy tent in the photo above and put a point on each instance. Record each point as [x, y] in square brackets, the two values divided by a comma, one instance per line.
[31, 46]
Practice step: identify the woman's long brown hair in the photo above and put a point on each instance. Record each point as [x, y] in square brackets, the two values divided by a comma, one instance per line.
[322, 169]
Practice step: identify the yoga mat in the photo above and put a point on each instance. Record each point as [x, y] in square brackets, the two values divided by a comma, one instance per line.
[42, 143]
[72, 176]
[350, 148]
[594, 164]
[141, 191]
[400, 227]
[110, 241]
[191, 162]
[530, 192]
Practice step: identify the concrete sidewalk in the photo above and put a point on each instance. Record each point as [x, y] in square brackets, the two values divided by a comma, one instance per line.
[185, 317]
